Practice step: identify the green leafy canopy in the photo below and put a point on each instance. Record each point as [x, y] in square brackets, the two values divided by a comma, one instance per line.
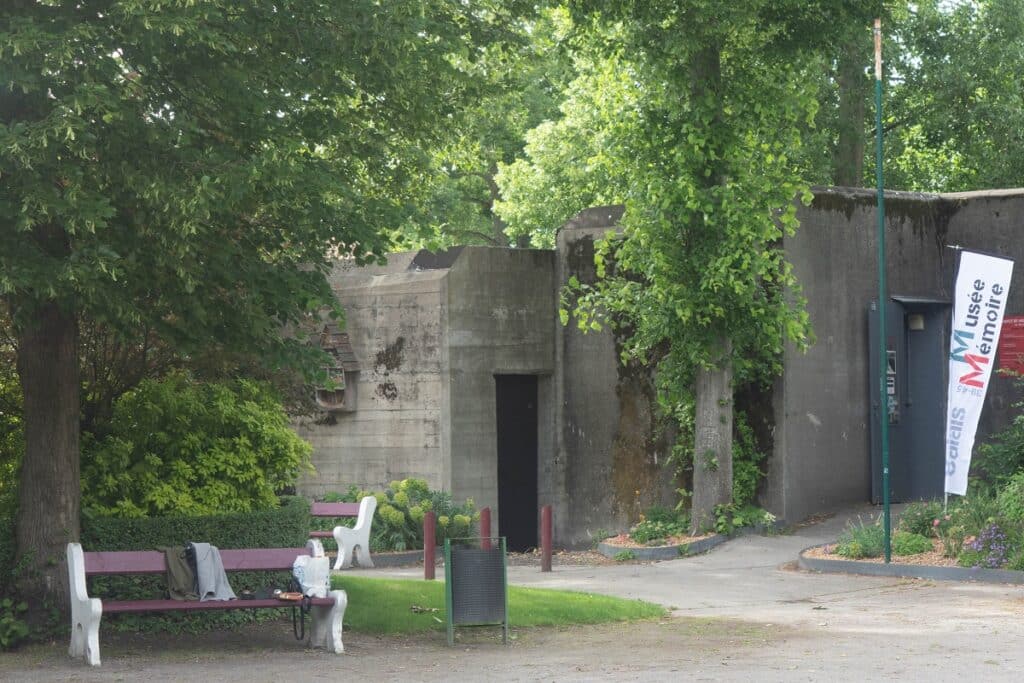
[195, 165]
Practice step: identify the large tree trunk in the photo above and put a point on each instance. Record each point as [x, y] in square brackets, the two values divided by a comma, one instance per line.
[49, 495]
[712, 452]
[848, 157]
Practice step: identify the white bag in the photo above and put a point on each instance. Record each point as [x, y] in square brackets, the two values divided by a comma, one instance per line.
[313, 573]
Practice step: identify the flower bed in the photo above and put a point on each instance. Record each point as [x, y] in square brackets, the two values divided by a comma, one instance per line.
[625, 548]
[980, 537]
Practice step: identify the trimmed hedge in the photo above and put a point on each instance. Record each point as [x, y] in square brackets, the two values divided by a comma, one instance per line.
[284, 527]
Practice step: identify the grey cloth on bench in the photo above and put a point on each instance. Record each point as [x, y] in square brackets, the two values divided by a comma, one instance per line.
[210, 577]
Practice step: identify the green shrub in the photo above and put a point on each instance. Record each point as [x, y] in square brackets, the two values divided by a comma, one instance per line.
[398, 522]
[659, 523]
[906, 543]
[861, 540]
[746, 462]
[178, 446]
[13, 628]
[728, 518]
[989, 549]
[919, 518]
[976, 511]
[624, 556]
[8, 549]
[12, 438]
[285, 526]
[1016, 561]
[1010, 499]
[1003, 455]
[952, 539]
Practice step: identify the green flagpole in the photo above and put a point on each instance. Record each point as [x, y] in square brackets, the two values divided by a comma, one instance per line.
[883, 365]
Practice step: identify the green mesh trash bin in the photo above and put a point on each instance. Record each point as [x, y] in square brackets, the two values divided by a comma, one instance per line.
[475, 584]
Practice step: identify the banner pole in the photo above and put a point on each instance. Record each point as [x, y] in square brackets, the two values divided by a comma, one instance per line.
[883, 413]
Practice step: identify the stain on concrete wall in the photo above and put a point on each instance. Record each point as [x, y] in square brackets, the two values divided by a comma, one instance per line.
[641, 449]
[388, 360]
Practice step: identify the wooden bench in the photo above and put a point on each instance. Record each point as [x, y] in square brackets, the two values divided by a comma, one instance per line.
[351, 541]
[327, 613]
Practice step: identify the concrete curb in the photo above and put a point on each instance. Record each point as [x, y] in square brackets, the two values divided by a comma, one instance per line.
[672, 552]
[395, 559]
[908, 571]
[663, 552]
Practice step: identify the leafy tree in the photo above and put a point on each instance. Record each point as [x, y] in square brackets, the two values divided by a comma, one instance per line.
[189, 168]
[955, 107]
[572, 162]
[707, 154]
[519, 83]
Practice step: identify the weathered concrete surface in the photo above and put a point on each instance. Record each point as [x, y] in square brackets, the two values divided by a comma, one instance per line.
[501, 313]
[610, 455]
[395, 320]
[821, 459]
[430, 331]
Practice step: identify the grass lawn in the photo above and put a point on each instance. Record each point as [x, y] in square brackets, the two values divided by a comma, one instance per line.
[392, 606]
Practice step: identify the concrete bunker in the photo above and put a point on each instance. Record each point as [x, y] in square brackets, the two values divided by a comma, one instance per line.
[447, 342]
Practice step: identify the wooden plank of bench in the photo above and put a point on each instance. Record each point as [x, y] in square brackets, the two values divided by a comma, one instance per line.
[264, 559]
[124, 606]
[152, 562]
[124, 562]
[334, 510]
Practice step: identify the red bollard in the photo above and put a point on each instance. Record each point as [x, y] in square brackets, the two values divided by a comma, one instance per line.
[429, 542]
[485, 528]
[545, 538]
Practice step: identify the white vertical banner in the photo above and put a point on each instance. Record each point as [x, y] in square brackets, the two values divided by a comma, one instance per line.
[982, 286]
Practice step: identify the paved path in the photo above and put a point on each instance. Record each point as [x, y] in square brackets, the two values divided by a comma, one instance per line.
[847, 627]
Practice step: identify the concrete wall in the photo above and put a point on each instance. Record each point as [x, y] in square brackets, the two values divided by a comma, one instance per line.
[610, 457]
[432, 331]
[396, 322]
[500, 321]
[822, 440]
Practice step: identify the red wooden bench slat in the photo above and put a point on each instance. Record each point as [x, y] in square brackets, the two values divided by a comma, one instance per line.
[334, 510]
[152, 562]
[321, 534]
[188, 605]
[263, 559]
[125, 562]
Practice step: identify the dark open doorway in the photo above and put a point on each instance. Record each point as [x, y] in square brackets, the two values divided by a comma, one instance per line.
[516, 400]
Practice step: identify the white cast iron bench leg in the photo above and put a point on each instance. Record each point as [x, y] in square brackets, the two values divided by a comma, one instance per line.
[326, 623]
[85, 611]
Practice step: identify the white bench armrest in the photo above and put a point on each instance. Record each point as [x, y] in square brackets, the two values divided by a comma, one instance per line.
[86, 612]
